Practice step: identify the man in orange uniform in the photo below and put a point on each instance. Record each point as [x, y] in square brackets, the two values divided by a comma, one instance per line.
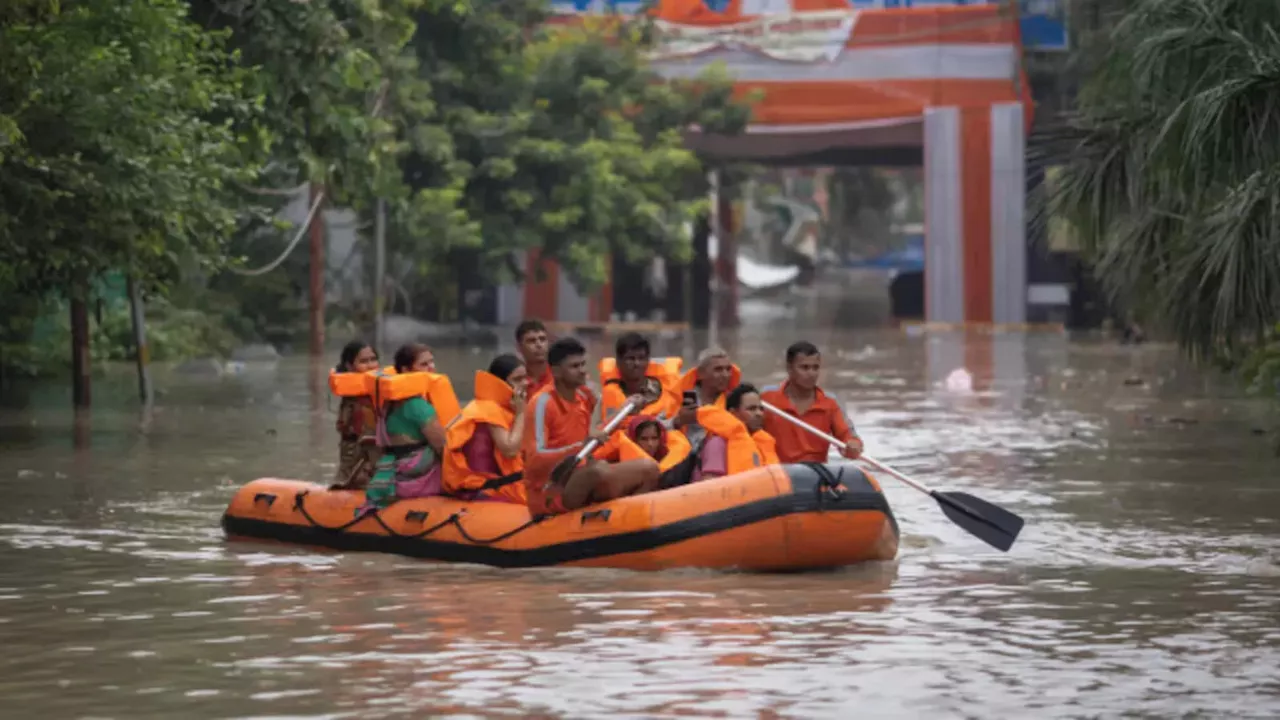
[801, 396]
[637, 375]
[559, 424]
[531, 341]
[736, 440]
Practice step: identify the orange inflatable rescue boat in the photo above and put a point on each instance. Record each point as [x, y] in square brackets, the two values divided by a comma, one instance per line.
[775, 518]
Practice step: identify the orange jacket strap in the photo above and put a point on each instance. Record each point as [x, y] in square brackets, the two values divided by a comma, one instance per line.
[678, 449]
[767, 446]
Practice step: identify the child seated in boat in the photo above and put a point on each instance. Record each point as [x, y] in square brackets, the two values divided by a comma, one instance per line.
[409, 433]
[482, 449]
[736, 440]
[558, 426]
[646, 437]
[357, 451]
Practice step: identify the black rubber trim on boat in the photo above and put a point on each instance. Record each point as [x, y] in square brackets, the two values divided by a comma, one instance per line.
[810, 493]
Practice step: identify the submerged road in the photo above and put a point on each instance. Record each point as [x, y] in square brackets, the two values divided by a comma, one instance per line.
[1146, 582]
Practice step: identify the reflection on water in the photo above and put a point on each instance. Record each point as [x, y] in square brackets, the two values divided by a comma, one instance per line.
[1147, 579]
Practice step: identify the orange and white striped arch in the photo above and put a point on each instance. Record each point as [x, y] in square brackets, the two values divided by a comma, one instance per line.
[941, 86]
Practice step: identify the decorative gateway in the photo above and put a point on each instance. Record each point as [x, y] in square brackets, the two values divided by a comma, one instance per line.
[808, 37]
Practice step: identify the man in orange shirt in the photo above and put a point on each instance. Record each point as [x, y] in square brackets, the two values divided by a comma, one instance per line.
[558, 425]
[801, 396]
[531, 341]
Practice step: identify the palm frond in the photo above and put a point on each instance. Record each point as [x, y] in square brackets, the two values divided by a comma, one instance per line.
[1173, 176]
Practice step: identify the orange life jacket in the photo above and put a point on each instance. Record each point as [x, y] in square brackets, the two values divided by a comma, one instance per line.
[744, 450]
[492, 406]
[353, 384]
[356, 417]
[622, 447]
[613, 394]
[689, 382]
[435, 388]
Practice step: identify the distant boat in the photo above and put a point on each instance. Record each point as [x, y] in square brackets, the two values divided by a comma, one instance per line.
[756, 277]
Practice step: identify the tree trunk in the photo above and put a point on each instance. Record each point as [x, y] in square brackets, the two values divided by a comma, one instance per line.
[136, 313]
[80, 362]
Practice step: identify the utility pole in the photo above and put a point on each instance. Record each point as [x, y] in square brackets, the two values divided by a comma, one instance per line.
[145, 391]
[317, 275]
[379, 274]
[81, 367]
[713, 255]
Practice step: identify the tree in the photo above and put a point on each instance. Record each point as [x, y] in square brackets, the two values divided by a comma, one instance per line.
[120, 147]
[556, 138]
[339, 89]
[1174, 168]
[118, 151]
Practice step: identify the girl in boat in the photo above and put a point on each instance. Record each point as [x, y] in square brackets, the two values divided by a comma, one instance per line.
[357, 452]
[410, 433]
[482, 452]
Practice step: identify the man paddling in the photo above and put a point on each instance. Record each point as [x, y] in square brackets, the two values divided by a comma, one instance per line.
[801, 396]
[531, 341]
[559, 425]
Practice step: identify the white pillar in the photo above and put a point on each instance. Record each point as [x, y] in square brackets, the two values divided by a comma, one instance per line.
[1008, 214]
[944, 230]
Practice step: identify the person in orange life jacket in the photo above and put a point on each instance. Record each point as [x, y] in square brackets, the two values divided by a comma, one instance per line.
[637, 375]
[801, 396]
[531, 341]
[357, 453]
[410, 435]
[482, 448]
[736, 440]
[711, 379]
[558, 425]
[646, 437]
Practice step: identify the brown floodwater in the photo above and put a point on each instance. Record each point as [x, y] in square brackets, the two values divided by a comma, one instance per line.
[1146, 582]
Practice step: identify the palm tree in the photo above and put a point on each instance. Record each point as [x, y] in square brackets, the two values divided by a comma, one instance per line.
[1172, 177]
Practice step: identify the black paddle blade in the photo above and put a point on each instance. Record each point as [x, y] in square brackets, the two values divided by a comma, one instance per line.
[560, 473]
[989, 523]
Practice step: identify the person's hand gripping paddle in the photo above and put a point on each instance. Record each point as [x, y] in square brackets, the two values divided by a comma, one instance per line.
[990, 523]
[560, 473]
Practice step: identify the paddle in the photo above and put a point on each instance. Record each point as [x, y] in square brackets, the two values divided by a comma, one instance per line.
[990, 523]
[560, 473]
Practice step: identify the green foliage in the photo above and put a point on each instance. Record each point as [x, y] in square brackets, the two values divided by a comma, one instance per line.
[155, 137]
[1262, 368]
[1174, 169]
[172, 334]
[338, 88]
[118, 145]
[561, 139]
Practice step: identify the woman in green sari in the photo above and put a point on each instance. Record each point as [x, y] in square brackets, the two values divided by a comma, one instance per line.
[411, 439]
